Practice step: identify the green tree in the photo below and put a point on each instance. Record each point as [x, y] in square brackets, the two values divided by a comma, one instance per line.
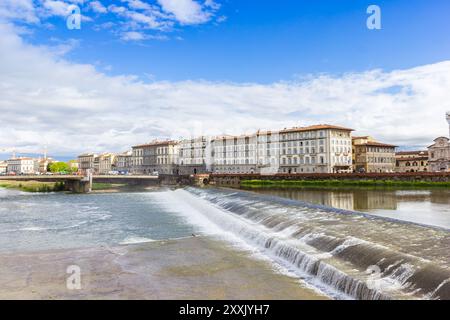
[72, 168]
[56, 167]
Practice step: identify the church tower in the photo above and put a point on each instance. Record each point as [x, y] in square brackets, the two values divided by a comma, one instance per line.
[448, 120]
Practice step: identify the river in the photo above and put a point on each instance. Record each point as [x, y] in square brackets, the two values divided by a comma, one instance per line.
[431, 207]
[351, 244]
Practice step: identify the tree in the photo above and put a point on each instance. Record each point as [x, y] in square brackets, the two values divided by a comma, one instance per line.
[56, 167]
[72, 166]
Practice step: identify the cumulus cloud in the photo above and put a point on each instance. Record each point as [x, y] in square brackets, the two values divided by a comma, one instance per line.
[98, 7]
[187, 11]
[133, 36]
[45, 99]
[130, 15]
[23, 10]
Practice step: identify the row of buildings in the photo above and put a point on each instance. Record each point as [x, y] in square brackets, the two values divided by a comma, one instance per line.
[25, 165]
[105, 163]
[313, 149]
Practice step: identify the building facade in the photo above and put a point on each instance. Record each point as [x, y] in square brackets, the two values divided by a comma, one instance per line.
[137, 159]
[268, 152]
[195, 155]
[411, 161]
[316, 149]
[312, 149]
[42, 165]
[88, 161]
[371, 156]
[106, 163]
[123, 162]
[439, 155]
[156, 157]
[3, 167]
[234, 154]
[21, 165]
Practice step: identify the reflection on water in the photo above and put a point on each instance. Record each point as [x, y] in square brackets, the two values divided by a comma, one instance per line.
[430, 207]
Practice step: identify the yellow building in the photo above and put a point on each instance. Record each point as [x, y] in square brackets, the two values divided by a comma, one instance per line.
[372, 156]
[411, 161]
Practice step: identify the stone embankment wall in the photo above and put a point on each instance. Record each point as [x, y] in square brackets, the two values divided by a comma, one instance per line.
[234, 180]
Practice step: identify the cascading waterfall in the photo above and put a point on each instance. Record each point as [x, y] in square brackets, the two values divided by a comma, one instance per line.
[328, 248]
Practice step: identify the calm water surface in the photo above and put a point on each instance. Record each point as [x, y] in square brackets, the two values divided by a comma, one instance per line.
[430, 207]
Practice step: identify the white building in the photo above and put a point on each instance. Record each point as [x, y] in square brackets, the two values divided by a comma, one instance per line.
[268, 152]
[3, 167]
[439, 155]
[195, 155]
[439, 152]
[235, 154]
[316, 149]
[137, 159]
[123, 162]
[106, 163]
[156, 156]
[88, 161]
[21, 165]
[313, 149]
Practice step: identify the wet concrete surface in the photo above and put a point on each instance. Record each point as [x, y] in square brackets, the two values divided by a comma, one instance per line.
[190, 268]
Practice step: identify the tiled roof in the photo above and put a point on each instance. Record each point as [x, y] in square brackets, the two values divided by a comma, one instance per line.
[316, 127]
[376, 144]
[413, 158]
[415, 152]
[156, 143]
[87, 155]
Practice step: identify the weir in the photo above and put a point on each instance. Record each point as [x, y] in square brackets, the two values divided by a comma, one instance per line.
[343, 253]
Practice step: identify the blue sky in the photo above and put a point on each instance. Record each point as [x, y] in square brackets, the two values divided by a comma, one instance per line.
[142, 70]
[266, 41]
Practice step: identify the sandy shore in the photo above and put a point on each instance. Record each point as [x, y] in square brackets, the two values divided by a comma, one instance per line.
[192, 268]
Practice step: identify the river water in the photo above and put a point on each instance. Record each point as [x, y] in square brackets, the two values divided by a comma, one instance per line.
[431, 207]
[37, 221]
[350, 249]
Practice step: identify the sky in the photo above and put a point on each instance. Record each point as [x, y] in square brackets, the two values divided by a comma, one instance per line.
[139, 70]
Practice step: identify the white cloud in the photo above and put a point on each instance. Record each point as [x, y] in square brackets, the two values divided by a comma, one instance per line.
[133, 36]
[73, 108]
[212, 4]
[56, 7]
[138, 5]
[186, 11]
[23, 10]
[148, 20]
[98, 7]
[129, 15]
[140, 20]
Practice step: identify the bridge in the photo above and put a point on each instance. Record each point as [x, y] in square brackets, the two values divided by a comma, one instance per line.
[83, 184]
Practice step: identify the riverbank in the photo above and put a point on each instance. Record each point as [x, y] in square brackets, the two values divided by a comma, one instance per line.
[342, 183]
[190, 268]
[33, 186]
[37, 186]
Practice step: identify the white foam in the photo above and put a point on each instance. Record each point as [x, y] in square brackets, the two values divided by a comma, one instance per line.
[240, 232]
[32, 229]
[136, 239]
